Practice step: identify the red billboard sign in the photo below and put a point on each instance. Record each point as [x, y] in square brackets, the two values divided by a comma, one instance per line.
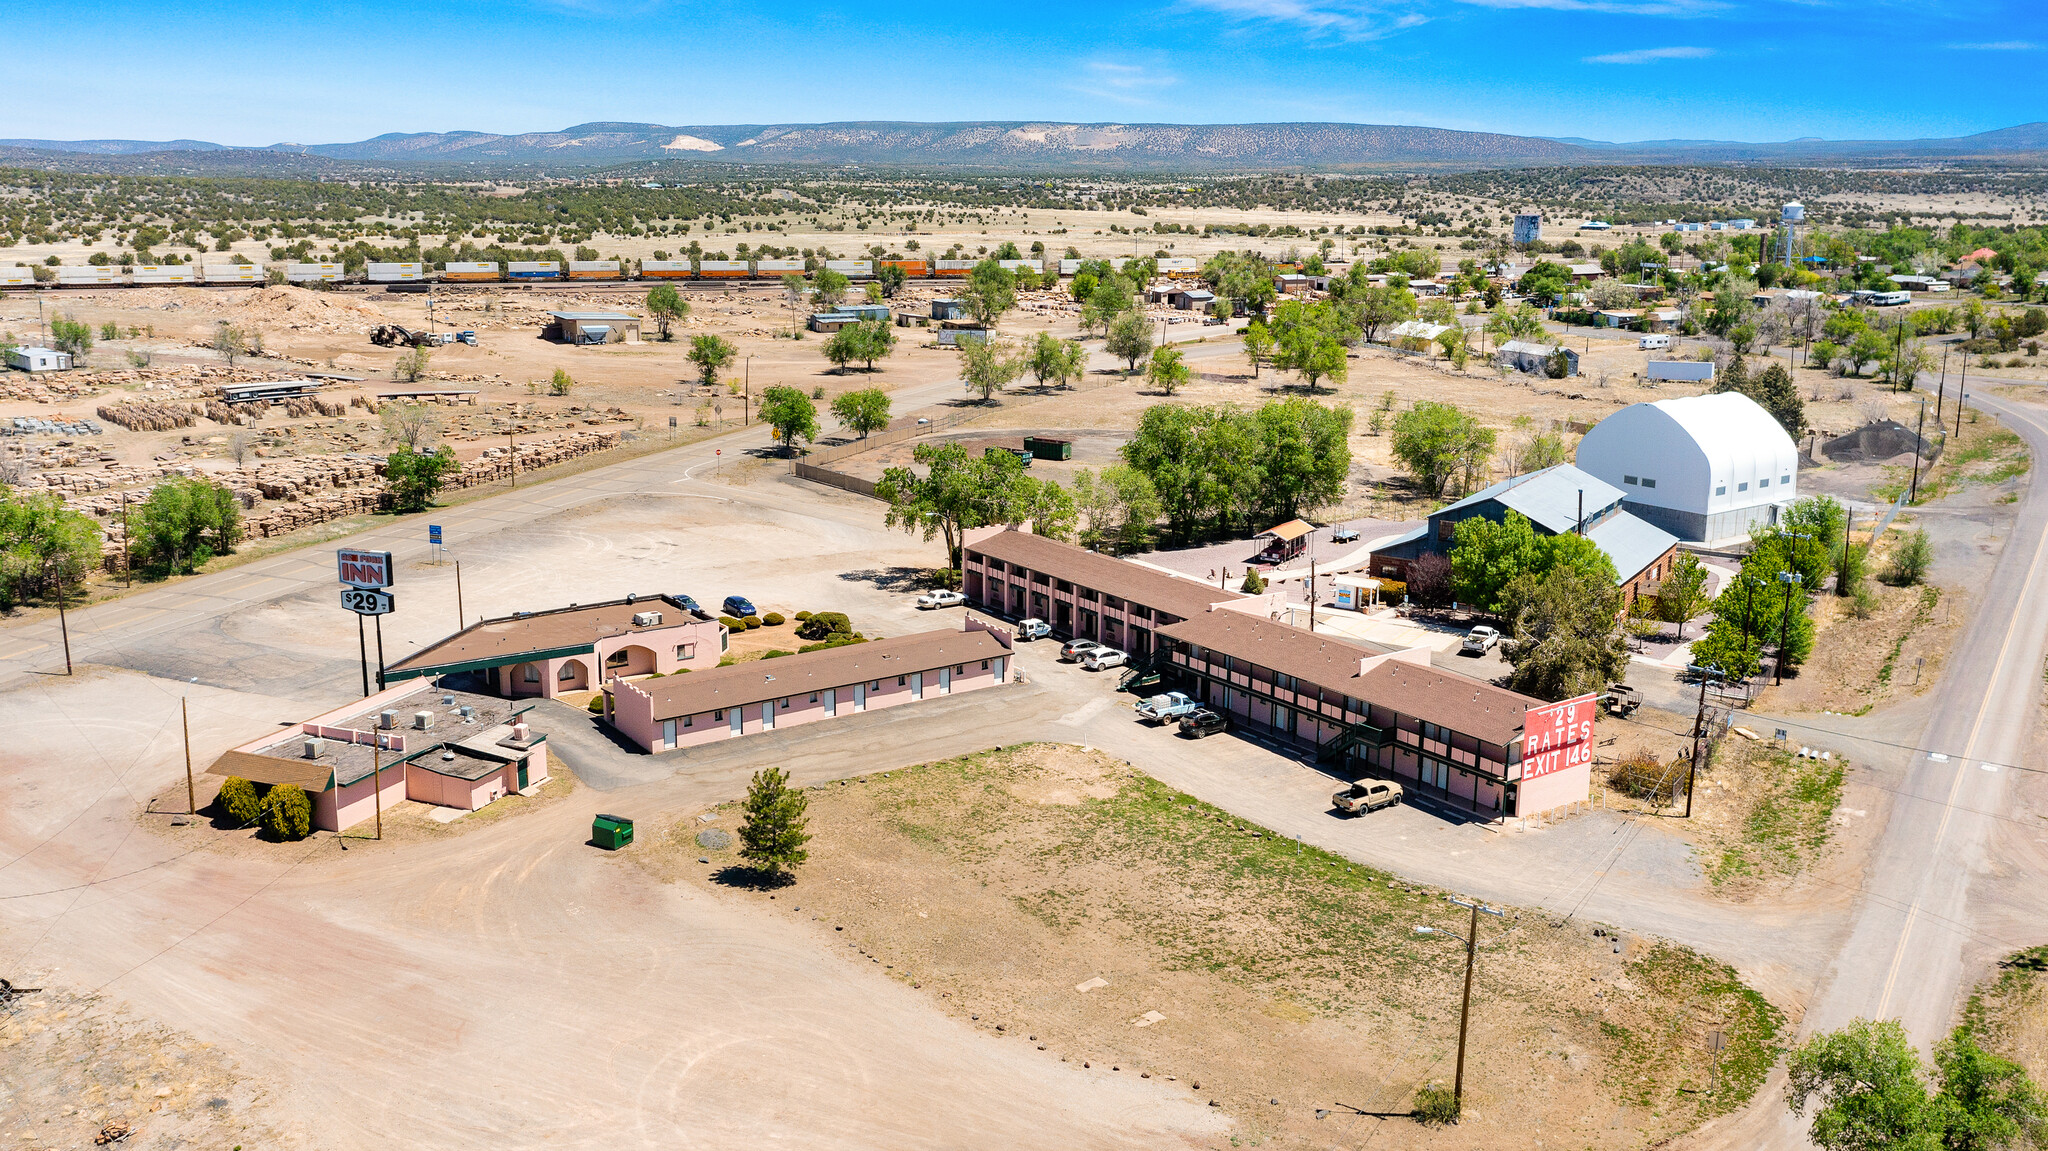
[363, 569]
[1558, 736]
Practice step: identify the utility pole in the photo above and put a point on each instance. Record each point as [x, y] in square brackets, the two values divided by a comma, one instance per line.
[63, 625]
[1699, 724]
[458, 595]
[1913, 493]
[127, 548]
[747, 398]
[1962, 393]
[191, 793]
[377, 783]
[1471, 942]
[512, 445]
[1941, 385]
[1790, 580]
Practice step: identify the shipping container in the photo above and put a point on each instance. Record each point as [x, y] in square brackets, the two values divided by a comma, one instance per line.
[665, 269]
[164, 274]
[312, 273]
[15, 276]
[778, 267]
[533, 270]
[393, 273]
[954, 268]
[852, 267]
[910, 267]
[1049, 449]
[1070, 267]
[234, 274]
[594, 270]
[724, 269]
[89, 274]
[1032, 266]
[1178, 264]
[455, 270]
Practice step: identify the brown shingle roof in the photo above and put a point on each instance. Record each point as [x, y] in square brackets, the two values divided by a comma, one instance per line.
[1121, 578]
[518, 637]
[1459, 702]
[1291, 530]
[755, 681]
[310, 774]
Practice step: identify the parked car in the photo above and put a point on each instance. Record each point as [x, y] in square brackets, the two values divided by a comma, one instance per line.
[1033, 628]
[1103, 658]
[1344, 536]
[690, 605]
[1162, 709]
[930, 600]
[1480, 640]
[1201, 722]
[1367, 795]
[1076, 648]
[739, 607]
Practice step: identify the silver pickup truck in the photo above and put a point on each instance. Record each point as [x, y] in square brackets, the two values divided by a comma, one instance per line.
[1167, 707]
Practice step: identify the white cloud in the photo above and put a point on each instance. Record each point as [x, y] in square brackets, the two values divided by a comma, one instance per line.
[1998, 46]
[1343, 19]
[1619, 7]
[1651, 55]
[1125, 83]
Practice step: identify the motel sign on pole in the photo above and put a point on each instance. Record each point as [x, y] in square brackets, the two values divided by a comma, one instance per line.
[365, 573]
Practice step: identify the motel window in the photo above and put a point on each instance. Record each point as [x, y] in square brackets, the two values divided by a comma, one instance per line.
[686, 651]
[1445, 529]
[1090, 595]
[785, 702]
[689, 721]
[615, 659]
[984, 665]
[718, 716]
[568, 672]
[814, 697]
[877, 685]
[900, 681]
[724, 639]
[531, 673]
[1648, 482]
[1283, 681]
[1062, 585]
[959, 668]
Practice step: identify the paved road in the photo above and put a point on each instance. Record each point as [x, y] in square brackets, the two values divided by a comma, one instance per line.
[1918, 925]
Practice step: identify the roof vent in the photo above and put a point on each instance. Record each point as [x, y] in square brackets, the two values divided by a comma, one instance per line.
[316, 748]
[447, 701]
[446, 756]
[630, 597]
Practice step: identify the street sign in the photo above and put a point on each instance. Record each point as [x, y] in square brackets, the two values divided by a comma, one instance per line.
[361, 569]
[367, 601]
[433, 533]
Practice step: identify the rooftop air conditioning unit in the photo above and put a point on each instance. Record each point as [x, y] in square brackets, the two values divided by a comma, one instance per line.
[646, 618]
[387, 719]
[423, 720]
[466, 712]
[316, 748]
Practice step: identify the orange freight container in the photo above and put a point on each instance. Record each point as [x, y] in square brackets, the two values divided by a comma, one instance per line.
[910, 267]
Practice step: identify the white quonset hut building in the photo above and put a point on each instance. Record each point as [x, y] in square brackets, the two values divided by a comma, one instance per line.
[1704, 468]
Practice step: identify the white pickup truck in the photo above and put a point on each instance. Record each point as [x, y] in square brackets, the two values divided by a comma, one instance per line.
[1166, 708]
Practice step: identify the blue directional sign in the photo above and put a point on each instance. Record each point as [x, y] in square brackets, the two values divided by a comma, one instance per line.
[433, 533]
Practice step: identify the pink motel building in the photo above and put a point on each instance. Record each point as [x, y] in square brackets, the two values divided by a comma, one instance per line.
[449, 748]
[576, 648]
[764, 695]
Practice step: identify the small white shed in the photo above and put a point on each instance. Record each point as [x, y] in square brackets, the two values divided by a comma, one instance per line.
[39, 359]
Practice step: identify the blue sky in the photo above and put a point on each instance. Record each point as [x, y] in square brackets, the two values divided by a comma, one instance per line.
[248, 73]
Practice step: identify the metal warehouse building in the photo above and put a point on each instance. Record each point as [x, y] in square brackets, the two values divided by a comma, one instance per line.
[1704, 468]
[595, 327]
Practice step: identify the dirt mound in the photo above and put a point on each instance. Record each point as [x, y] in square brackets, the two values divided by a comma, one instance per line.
[300, 309]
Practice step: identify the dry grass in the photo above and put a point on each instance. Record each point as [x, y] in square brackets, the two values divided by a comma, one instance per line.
[1001, 883]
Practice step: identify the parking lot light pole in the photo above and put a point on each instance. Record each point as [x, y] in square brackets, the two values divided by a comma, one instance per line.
[1471, 942]
[1790, 580]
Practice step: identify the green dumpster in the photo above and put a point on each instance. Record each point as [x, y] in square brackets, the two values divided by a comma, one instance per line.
[611, 832]
[1049, 449]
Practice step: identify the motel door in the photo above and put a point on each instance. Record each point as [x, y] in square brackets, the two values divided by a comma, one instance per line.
[945, 681]
[917, 685]
[768, 715]
[860, 697]
[1016, 601]
[739, 722]
[831, 701]
[668, 739]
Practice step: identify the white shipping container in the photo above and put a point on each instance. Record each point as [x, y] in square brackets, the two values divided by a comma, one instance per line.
[233, 273]
[471, 269]
[1012, 265]
[1178, 264]
[90, 274]
[610, 267]
[1069, 267]
[852, 267]
[164, 274]
[393, 273]
[778, 267]
[722, 266]
[312, 273]
[14, 275]
[956, 265]
[664, 267]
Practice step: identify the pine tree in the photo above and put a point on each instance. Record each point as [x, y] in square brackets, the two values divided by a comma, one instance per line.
[772, 836]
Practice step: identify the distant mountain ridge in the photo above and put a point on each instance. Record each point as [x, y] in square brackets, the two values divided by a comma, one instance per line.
[989, 144]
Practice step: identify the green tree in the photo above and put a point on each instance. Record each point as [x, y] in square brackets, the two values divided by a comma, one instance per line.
[238, 799]
[891, 278]
[1055, 361]
[72, 336]
[230, 342]
[873, 340]
[1911, 558]
[286, 813]
[667, 306]
[1683, 593]
[1545, 282]
[772, 834]
[843, 347]
[1242, 277]
[561, 383]
[184, 523]
[1304, 456]
[1120, 506]
[1523, 323]
[1258, 344]
[411, 364]
[44, 546]
[1130, 338]
[1487, 556]
[712, 355]
[863, 411]
[1863, 1086]
[1372, 308]
[416, 477]
[1167, 371]
[990, 291]
[1113, 297]
[1436, 442]
[955, 492]
[791, 413]
[1567, 638]
[987, 366]
[794, 289]
[1167, 448]
[1773, 391]
[830, 286]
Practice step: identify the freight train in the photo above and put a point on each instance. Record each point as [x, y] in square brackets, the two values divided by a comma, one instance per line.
[517, 272]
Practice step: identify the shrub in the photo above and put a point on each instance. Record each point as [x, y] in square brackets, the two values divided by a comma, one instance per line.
[824, 625]
[732, 624]
[1435, 1105]
[287, 813]
[596, 704]
[774, 652]
[773, 619]
[238, 799]
[840, 639]
[802, 616]
[948, 578]
[1642, 776]
[1911, 559]
[1254, 583]
[751, 622]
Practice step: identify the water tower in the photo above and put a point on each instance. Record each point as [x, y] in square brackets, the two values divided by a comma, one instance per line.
[1791, 215]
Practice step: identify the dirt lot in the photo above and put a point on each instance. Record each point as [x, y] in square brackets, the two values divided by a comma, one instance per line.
[1054, 897]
